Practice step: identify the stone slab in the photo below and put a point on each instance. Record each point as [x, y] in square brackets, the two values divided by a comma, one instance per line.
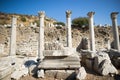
[66, 63]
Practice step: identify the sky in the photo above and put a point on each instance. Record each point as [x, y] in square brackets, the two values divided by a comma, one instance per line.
[56, 8]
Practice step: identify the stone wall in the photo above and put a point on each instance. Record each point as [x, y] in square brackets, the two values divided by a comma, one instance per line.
[27, 38]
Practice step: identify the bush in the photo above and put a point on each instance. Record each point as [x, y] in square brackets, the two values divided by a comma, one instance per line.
[23, 19]
[59, 23]
[80, 22]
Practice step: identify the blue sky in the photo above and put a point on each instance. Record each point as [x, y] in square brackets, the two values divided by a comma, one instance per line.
[56, 8]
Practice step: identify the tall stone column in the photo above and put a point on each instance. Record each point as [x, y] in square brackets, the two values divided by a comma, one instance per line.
[91, 29]
[68, 24]
[115, 30]
[41, 36]
[13, 37]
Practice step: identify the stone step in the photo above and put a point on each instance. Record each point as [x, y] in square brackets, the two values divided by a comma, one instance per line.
[59, 64]
[55, 53]
[5, 71]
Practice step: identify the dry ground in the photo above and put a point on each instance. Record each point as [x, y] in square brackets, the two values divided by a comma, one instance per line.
[90, 76]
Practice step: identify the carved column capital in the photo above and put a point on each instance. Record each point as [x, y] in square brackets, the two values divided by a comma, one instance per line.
[90, 14]
[41, 14]
[68, 13]
[114, 15]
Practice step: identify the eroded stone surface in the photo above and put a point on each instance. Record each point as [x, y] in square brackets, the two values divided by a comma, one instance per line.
[81, 74]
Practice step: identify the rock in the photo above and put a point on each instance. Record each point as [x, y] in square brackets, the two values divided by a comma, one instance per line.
[115, 57]
[116, 62]
[104, 55]
[81, 74]
[114, 52]
[40, 73]
[99, 58]
[18, 74]
[107, 68]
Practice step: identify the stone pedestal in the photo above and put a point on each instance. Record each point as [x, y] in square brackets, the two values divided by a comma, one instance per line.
[115, 30]
[13, 37]
[68, 24]
[91, 28]
[41, 36]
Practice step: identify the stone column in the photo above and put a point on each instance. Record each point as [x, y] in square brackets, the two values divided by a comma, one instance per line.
[91, 29]
[115, 30]
[68, 24]
[13, 37]
[41, 36]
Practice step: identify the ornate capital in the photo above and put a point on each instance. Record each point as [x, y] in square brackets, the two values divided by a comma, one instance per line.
[68, 13]
[90, 14]
[41, 13]
[114, 15]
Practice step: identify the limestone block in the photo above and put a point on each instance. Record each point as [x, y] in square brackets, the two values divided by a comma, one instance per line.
[5, 70]
[65, 52]
[50, 73]
[81, 74]
[104, 55]
[107, 68]
[84, 44]
[114, 53]
[99, 58]
[62, 75]
[89, 63]
[61, 63]
[40, 73]
[116, 62]
[53, 46]
[88, 54]
[16, 75]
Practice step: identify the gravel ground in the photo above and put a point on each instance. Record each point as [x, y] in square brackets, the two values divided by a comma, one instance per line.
[90, 76]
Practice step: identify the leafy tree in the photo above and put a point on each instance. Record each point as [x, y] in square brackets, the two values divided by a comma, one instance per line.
[81, 22]
[60, 23]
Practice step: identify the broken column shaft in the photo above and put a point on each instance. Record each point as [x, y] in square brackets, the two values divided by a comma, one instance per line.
[41, 36]
[115, 30]
[91, 29]
[13, 37]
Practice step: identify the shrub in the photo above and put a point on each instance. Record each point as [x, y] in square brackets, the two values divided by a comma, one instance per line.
[23, 19]
[80, 22]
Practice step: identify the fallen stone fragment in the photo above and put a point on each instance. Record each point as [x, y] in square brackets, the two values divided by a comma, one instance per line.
[81, 74]
[107, 68]
[40, 73]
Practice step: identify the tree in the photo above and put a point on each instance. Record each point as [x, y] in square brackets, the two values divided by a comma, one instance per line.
[81, 22]
[60, 23]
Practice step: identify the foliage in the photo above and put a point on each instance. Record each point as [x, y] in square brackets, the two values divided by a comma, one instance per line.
[23, 19]
[60, 23]
[81, 22]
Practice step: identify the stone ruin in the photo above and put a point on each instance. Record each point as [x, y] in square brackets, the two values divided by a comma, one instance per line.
[55, 60]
